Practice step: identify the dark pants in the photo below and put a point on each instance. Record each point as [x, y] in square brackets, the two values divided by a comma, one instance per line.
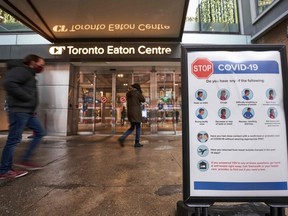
[17, 124]
[131, 129]
[122, 121]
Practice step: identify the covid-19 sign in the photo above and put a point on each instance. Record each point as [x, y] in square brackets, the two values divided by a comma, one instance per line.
[235, 128]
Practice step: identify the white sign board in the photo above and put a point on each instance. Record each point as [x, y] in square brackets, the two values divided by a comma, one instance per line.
[237, 127]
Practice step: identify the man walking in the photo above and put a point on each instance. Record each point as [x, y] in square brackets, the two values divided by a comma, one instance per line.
[22, 95]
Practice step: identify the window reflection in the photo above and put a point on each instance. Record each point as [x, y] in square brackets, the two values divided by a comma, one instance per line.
[9, 24]
[262, 5]
[212, 16]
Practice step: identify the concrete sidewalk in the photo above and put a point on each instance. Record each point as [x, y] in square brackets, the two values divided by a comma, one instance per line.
[93, 175]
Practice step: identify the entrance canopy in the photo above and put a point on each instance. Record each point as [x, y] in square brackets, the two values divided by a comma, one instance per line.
[101, 20]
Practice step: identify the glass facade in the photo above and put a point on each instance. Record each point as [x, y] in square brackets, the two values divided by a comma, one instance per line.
[102, 98]
[262, 5]
[212, 16]
[10, 24]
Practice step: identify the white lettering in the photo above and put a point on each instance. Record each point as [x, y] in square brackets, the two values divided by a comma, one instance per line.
[112, 50]
[56, 50]
[232, 67]
[154, 50]
[85, 51]
[205, 68]
[120, 50]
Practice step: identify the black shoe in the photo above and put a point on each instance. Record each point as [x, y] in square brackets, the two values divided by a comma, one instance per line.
[138, 145]
[121, 142]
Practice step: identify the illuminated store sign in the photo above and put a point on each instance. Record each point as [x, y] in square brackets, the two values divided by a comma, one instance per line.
[115, 49]
[110, 50]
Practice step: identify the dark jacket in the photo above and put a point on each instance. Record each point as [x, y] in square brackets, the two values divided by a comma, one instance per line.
[21, 88]
[134, 99]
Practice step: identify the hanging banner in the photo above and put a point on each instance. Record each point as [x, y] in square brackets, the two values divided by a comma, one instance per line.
[236, 141]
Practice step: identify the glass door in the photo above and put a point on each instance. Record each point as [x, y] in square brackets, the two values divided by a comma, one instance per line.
[168, 113]
[123, 81]
[86, 105]
[103, 106]
[104, 103]
[95, 103]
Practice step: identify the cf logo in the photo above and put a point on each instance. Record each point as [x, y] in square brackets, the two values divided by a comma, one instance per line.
[60, 28]
[56, 50]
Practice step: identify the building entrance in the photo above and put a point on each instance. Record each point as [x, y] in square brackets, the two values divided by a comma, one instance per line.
[102, 99]
[96, 99]
[169, 109]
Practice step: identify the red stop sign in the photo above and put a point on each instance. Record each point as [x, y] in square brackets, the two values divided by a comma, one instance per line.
[202, 68]
[103, 99]
[123, 99]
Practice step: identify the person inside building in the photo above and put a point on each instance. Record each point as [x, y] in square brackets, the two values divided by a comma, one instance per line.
[177, 116]
[123, 115]
[22, 96]
[134, 113]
